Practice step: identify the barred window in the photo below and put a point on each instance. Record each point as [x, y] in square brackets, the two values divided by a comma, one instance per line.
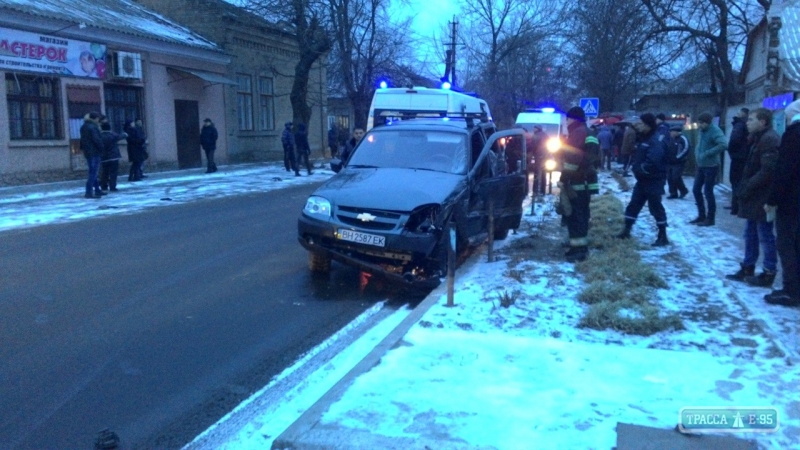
[33, 107]
[245, 101]
[123, 103]
[267, 113]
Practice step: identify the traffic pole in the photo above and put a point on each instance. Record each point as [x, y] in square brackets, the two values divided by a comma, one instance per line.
[451, 265]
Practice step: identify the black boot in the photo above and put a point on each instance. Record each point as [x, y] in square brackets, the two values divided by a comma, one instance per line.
[764, 279]
[661, 240]
[742, 273]
[708, 222]
[626, 232]
[578, 253]
[701, 217]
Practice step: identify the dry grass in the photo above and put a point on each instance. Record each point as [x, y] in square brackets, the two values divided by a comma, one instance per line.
[621, 291]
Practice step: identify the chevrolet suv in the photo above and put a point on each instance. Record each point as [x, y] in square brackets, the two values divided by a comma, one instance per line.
[388, 211]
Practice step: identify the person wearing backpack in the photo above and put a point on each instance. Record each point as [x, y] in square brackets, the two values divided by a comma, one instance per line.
[678, 148]
[648, 165]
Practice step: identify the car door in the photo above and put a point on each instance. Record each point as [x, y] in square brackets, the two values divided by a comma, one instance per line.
[495, 179]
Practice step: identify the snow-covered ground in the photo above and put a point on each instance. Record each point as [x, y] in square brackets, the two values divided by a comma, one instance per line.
[479, 374]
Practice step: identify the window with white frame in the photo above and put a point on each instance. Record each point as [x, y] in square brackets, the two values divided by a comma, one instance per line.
[267, 103]
[244, 99]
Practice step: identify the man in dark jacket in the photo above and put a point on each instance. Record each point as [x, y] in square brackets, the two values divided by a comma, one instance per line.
[333, 136]
[137, 142]
[784, 202]
[606, 139]
[662, 129]
[578, 181]
[538, 154]
[92, 147]
[677, 148]
[753, 192]
[110, 158]
[350, 145]
[303, 148]
[208, 140]
[650, 170]
[737, 149]
[287, 139]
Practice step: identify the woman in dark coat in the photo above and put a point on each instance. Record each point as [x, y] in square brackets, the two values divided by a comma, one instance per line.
[136, 152]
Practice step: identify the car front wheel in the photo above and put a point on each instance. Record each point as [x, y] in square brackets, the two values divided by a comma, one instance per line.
[319, 262]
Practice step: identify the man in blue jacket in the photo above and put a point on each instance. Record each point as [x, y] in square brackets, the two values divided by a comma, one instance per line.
[649, 168]
[707, 154]
[92, 147]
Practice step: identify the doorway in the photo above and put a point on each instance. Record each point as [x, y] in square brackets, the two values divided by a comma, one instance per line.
[187, 133]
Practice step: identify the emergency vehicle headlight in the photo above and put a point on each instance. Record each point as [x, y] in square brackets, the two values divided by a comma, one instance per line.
[550, 165]
[553, 144]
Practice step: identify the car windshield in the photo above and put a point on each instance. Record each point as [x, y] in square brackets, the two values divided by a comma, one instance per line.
[440, 151]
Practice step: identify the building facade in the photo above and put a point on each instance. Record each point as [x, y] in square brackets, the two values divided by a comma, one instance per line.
[119, 59]
[263, 59]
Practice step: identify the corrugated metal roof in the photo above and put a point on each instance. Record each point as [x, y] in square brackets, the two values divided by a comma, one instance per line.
[116, 15]
[790, 40]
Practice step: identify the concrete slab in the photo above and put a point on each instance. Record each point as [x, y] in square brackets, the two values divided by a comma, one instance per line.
[637, 437]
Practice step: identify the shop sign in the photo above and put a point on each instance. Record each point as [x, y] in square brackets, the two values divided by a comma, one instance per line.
[33, 52]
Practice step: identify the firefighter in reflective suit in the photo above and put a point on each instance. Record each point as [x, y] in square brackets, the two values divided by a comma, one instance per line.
[578, 182]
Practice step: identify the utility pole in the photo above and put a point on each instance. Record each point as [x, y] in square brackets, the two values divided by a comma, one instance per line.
[450, 55]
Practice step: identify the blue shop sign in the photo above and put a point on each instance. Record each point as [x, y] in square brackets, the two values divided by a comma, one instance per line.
[778, 101]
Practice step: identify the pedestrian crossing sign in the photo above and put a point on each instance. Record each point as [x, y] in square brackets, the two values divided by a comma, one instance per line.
[591, 106]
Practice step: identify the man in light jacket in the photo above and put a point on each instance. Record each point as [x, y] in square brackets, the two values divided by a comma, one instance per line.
[707, 154]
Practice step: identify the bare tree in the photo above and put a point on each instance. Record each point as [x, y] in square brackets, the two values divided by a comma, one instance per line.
[366, 47]
[499, 33]
[717, 29]
[308, 19]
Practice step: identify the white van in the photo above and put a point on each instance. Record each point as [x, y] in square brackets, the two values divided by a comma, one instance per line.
[390, 104]
[553, 123]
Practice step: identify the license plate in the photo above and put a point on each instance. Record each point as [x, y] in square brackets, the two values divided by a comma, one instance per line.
[362, 238]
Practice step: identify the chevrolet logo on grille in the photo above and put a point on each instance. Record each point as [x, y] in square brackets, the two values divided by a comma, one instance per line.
[366, 217]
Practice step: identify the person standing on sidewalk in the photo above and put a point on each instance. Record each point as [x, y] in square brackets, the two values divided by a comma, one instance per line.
[136, 148]
[784, 202]
[649, 168]
[738, 147]
[628, 145]
[303, 148]
[92, 147]
[712, 144]
[606, 138]
[287, 139]
[579, 181]
[754, 188]
[110, 158]
[677, 147]
[208, 140]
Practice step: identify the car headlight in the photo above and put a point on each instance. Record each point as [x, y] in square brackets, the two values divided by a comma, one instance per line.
[318, 207]
[550, 165]
[553, 145]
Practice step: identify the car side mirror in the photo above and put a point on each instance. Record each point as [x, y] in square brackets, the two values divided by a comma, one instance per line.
[336, 165]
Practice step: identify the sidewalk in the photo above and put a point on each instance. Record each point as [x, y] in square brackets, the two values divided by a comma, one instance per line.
[41, 204]
[482, 376]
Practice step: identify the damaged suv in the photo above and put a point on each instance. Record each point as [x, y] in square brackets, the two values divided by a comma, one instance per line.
[389, 211]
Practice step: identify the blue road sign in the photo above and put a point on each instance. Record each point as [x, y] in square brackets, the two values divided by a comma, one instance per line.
[591, 106]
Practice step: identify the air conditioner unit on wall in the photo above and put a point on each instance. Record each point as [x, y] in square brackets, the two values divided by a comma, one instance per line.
[128, 65]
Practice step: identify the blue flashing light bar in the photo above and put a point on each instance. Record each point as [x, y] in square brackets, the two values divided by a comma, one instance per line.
[446, 85]
[548, 110]
[384, 85]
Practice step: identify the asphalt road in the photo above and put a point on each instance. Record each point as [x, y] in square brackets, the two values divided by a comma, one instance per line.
[157, 324]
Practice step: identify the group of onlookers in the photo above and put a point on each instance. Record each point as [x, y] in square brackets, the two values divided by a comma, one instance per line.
[765, 179]
[100, 146]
